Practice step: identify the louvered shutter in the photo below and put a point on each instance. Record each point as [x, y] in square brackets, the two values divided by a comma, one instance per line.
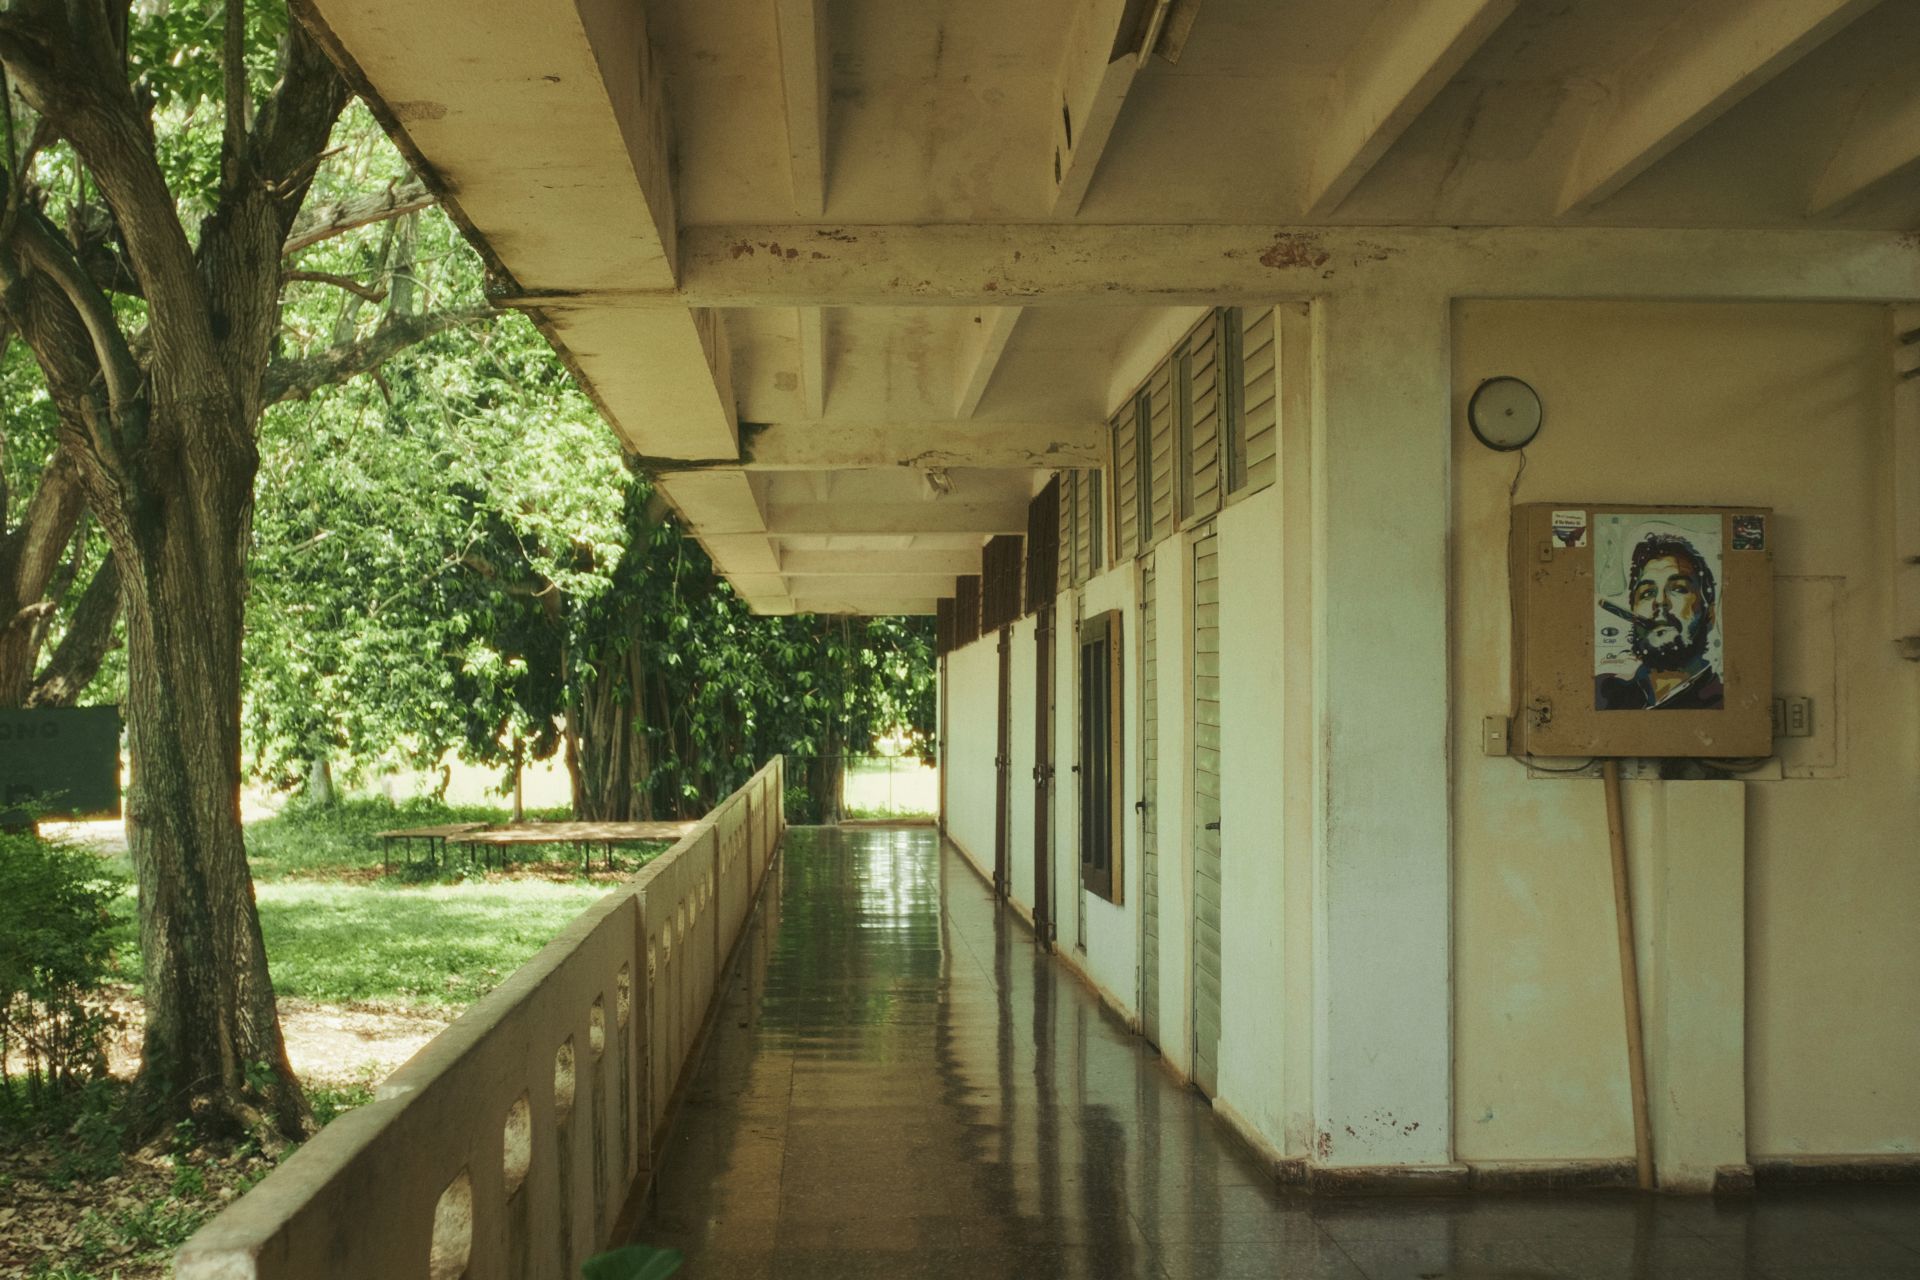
[1200, 454]
[1262, 400]
[1159, 460]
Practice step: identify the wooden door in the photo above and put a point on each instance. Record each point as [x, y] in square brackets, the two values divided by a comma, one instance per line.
[1206, 814]
[1043, 927]
[1003, 766]
[1147, 806]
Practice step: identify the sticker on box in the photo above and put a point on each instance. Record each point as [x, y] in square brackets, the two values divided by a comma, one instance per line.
[1569, 529]
[1749, 533]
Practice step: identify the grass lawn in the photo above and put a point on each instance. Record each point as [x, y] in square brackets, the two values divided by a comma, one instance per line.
[437, 937]
[443, 945]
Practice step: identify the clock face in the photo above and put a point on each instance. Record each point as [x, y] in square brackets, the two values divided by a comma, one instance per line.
[1504, 413]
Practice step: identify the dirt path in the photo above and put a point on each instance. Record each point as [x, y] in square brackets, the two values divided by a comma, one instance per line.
[329, 1044]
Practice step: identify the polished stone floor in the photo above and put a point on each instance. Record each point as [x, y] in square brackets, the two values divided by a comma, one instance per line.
[902, 1084]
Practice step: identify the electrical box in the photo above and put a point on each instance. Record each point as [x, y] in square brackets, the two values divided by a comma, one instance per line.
[1642, 631]
[59, 762]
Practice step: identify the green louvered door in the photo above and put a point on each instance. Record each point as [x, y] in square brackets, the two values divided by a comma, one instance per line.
[1149, 806]
[1206, 814]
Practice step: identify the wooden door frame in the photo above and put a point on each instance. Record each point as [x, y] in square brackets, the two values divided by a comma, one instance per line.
[1044, 927]
[1003, 769]
[1140, 568]
[1208, 528]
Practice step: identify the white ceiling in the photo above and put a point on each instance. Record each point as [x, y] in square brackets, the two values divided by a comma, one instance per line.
[577, 152]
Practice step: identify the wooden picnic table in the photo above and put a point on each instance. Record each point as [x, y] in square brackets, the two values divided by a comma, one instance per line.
[584, 834]
[436, 838]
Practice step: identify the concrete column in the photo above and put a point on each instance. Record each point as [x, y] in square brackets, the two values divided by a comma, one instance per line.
[1382, 904]
[1693, 951]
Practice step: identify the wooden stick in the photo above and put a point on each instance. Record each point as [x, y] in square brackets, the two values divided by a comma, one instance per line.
[1629, 975]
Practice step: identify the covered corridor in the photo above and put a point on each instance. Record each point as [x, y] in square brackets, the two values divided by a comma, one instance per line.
[899, 1083]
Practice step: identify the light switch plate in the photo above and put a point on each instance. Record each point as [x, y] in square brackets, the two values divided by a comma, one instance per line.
[1493, 736]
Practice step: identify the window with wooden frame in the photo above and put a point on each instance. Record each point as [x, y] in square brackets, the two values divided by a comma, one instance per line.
[1082, 527]
[1183, 432]
[1000, 563]
[1233, 395]
[1043, 546]
[1200, 455]
[1124, 465]
[1143, 486]
[1102, 824]
[1260, 399]
[1157, 461]
[966, 611]
[943, 627]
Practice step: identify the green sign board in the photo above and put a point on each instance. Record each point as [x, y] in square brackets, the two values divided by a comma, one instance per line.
[59, 762]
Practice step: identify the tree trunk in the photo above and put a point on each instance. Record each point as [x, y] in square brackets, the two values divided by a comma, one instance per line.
[607, 744]
[320, 781]
[212, 1046]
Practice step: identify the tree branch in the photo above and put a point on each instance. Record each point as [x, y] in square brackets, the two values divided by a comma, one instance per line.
[491, 572]
[290, 137]
[30, 555]
[233, 68]
[298, 377]
[68, 62]
[47, 251]
[337, 217]
[77, 658]
[371, 293]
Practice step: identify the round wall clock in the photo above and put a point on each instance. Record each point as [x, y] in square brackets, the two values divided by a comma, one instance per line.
[1504, 414]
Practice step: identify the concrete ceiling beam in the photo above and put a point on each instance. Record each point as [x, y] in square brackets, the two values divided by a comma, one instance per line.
[800, 563]
[1198, 264]
[805, 82]
[1407, 56]
[743, 553]
[829, 445]
[947, 515]
[715, 502]
[979, 355]
[1104, 52]
[813, 360]
[914, 585]
[865, 606]
[1882, 141]
[1690, 76]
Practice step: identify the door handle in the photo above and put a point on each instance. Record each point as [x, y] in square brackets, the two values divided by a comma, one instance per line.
[1139, 806]
[1213, 826]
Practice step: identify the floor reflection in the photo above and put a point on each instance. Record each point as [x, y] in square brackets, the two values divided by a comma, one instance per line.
[901, 1084]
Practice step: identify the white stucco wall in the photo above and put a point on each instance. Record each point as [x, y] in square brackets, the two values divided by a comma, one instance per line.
[973, 675]
[1252, 978]
[1782, 405]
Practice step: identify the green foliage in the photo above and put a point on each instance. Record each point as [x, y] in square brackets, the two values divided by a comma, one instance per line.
[634, 1262]
[415, 538]
[57, 936]
[331, 1101]
[457, 555]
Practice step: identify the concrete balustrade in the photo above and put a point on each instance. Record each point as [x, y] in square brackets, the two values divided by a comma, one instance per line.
[517, 1141]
